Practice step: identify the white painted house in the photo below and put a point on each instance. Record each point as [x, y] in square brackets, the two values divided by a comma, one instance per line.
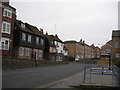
[59, 47]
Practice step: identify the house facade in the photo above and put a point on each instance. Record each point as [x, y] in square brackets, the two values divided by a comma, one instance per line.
[28, 41]
[71, 46]
[50, 48]
[116, 45]
[59, 47]
[8, 17]
[107, 48]
[81, 51]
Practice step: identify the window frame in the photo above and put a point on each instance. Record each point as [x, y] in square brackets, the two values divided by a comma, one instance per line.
[37, 40]
[3, 40]
[6, 27]
[7, 13]
[23, 36]
[22, 25]
[27, 52]
[29, 38]
[42, 41]
[21, 53]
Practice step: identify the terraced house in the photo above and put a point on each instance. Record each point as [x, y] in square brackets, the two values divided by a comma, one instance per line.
[28, 41]
[81, 51]
[7, 19]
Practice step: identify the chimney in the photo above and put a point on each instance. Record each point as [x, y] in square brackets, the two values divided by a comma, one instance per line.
[56, 35]
[46, 33]
[6, 2]
[41, 30]
[83, 41]
[80, 40]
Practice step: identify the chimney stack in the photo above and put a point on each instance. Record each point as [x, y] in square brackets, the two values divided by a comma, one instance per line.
[46, 33]
[80, 40]
[56, 35]
[6, 2]
[41, 30]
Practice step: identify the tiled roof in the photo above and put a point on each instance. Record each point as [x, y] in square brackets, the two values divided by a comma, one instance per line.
[116, 33]
[55, 38]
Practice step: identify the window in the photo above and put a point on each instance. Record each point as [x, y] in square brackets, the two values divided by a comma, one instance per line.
[5, 43]
[117, 44]
[42, 42]
[23, 37]
[6, 27]
[7, 13]
[37, 40]
[27, 52]
[22, 25]
[21, 51]
[52, 42]
[29, 38]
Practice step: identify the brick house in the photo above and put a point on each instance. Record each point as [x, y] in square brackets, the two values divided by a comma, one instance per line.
[28, 41]
[107, 48]
[75, 49]
[71, 46]
[8, 17]
[115, 45]
[81, 51]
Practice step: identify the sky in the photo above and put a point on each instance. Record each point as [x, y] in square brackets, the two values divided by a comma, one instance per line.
[90, 20]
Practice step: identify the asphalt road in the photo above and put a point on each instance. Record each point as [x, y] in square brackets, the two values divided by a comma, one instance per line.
[38, 77]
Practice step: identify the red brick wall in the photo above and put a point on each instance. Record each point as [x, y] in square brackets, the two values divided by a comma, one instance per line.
[10, 36]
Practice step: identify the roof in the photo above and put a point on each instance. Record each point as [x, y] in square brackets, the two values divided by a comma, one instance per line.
[71, 41]
[35, 30]
[55, 38]
[29, 28]
[50, 41]
[116, 33]
[26, 29]
[7, 4]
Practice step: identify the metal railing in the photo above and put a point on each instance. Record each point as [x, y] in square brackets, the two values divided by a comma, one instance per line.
[102, 75]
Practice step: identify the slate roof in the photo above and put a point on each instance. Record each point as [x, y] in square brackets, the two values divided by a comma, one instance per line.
[26, 29]
[50, 41]
[29, 28]
[35, 30]
[116, 33]
[55, 38]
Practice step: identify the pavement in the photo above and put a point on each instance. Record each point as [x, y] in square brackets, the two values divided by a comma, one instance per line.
[91, 79]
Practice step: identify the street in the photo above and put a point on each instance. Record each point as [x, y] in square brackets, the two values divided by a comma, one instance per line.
[37, 77]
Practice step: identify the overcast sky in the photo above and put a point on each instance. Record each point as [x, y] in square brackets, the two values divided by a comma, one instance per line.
[90, 21]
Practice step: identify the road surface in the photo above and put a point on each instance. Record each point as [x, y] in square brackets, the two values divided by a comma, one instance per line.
[38, 77]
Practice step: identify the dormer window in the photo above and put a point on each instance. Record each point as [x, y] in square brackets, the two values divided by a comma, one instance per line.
[7, 13]
[22, 25]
